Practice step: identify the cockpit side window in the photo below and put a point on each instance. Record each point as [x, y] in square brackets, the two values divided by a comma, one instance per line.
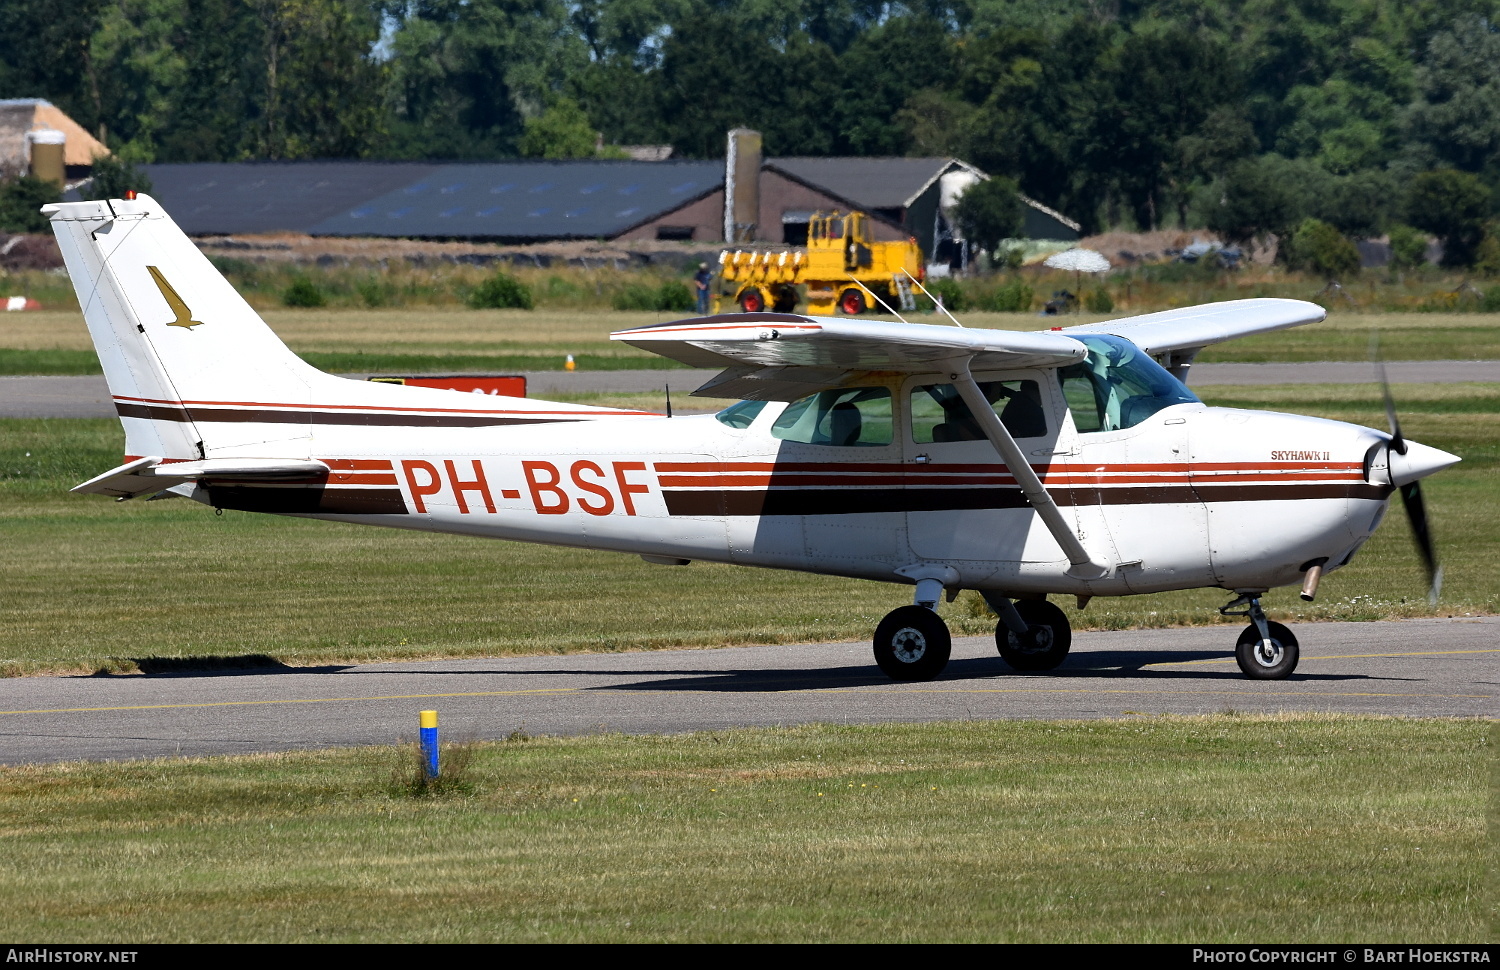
[844, 417]
[938, 414]
[1117, 386]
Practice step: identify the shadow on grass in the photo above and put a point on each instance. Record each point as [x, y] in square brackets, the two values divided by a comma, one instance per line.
[247, 663]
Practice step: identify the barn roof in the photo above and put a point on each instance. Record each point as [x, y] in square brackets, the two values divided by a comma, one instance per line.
[877, 183]
[514, 200]
[20, 115]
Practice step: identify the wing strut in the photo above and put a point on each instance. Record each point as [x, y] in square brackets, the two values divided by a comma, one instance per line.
[1084, 566]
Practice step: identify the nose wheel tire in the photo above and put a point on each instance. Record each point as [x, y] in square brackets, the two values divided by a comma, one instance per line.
[1259, 663]
[1044, 646]
[912, 643]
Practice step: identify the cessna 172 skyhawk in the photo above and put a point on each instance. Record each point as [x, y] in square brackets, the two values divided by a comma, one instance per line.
[1015, 464]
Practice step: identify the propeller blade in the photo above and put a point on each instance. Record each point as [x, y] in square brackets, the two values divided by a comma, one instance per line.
[1416, 512]
[1398, 442]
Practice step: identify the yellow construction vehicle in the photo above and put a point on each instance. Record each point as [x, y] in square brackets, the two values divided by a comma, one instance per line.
[842, 269]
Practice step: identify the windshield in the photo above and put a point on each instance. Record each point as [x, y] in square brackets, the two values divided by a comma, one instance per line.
[1117, 386]
[741, 415]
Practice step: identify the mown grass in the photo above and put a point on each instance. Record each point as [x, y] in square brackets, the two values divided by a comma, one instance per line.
[95, 584]
[1163, 829]
[434, 339]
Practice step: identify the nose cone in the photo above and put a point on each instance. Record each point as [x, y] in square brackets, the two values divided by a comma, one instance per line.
[1418, 462]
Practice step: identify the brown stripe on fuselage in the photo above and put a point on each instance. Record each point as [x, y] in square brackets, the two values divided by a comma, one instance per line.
[155, 412]
[851, 501]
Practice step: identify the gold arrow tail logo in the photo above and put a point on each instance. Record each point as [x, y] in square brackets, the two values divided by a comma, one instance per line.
[184, 315]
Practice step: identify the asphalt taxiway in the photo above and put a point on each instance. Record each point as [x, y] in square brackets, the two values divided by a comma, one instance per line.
[1413, 668]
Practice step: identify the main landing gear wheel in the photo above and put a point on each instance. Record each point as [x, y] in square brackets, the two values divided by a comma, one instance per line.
[912, 643]
[852, 302]
[1259, 663]
[1044, 646]
[751, 301]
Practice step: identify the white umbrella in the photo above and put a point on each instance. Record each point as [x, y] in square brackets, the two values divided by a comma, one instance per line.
[1079, 261]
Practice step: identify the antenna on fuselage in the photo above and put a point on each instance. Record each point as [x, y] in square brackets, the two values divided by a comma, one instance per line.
[935, 301]
[669, 399]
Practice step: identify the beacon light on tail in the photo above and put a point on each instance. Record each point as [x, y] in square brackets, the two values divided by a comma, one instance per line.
[1020, 465]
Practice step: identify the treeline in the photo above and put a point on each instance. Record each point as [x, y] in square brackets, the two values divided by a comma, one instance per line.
[1245, 115]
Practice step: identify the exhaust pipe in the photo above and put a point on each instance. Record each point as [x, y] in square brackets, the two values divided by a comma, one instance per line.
[1314, 575]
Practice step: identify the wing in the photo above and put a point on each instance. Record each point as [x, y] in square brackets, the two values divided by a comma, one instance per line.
[782, 356]
[1174, 337]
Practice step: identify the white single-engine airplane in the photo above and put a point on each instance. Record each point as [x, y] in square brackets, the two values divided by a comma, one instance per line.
[1016, 464]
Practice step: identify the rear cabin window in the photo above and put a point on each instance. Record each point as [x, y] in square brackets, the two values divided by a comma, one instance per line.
[938, 414]
[849, 417]
[741, 415]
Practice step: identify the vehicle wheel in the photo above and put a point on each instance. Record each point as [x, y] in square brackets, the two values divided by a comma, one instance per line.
[912, 643]
[752, 301]
[1255, 664]
[1049, 638]
[852, 302]
[785, 300]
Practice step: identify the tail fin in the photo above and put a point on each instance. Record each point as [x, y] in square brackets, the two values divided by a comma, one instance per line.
[171, 332]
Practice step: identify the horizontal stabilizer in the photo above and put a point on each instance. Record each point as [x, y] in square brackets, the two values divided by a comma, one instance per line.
[152, 474]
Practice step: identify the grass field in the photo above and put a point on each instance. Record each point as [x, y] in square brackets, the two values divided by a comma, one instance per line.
[434, 339]
[1222, 828]
[95, 584]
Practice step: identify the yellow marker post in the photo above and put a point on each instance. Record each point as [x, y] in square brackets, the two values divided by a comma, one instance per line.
[428, 731]
[569, 364]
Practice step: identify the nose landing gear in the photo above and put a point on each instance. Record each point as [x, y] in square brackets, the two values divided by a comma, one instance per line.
[1265, 650]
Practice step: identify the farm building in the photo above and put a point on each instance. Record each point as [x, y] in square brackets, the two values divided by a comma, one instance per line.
[23, 117]
[536, 201]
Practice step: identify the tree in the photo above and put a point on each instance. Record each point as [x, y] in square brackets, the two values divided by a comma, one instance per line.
[1253, 203]
[1455, 118]
[212, 111]
[46, 52]
[880, 72]
[1408, 247]
[724, 69]
[1318, 247]
[991, 211]
[1454, 206]
[1359, 205]
[113, 177]
[562, 131]
[466, 74]
[1159, 87]
[21, 201]
[324, 92]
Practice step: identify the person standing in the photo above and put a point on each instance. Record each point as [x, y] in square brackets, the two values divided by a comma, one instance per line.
[702, 281]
